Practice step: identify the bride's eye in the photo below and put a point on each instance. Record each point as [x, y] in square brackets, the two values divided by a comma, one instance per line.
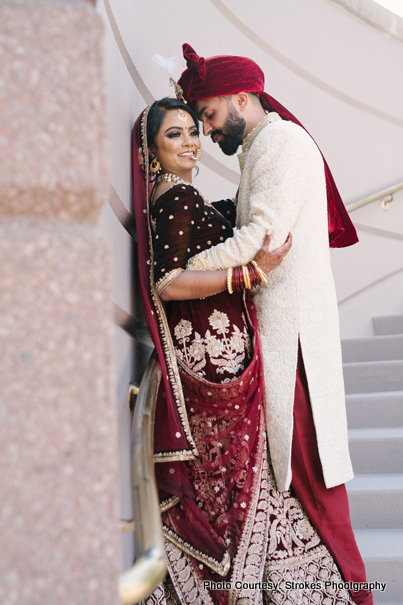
[171, 135]
[194, 133]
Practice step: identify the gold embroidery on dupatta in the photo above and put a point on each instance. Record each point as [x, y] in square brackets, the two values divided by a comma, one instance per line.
[169, 503]
[166, 341]
[219, 567]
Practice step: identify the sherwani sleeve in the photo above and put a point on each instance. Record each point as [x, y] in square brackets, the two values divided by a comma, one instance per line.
[279, 166]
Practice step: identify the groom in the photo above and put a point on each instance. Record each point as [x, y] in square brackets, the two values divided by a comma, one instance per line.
[286, 186]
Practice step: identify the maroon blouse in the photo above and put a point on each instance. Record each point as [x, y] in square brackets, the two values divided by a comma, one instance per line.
[210, 335]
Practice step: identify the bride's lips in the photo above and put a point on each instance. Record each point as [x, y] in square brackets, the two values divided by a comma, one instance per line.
[188, 154]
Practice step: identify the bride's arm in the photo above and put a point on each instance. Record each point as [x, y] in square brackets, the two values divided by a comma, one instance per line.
[195, 284]
[199, 284]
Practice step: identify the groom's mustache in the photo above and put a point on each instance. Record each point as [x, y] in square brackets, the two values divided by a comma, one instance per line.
[215, 133]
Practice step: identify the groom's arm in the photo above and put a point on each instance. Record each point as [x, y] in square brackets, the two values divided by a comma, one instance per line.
[279, 167]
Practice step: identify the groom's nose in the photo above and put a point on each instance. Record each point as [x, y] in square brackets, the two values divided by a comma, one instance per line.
[207, 129]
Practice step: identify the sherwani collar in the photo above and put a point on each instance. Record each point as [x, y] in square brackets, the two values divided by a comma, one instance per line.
[248, 142]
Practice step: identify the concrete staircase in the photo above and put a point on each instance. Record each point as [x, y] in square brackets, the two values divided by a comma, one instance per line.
[373, 373]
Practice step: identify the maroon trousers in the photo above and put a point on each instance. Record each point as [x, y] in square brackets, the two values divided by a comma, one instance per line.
[327, 509]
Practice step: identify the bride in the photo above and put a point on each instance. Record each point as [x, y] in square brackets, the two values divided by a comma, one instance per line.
[230, 536]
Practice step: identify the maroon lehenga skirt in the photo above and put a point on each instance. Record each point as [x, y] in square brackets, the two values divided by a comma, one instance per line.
[232, 538]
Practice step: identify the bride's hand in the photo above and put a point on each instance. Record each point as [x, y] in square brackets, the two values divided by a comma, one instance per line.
[268, 260]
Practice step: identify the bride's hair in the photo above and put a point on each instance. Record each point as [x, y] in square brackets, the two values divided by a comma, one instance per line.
[156, 115]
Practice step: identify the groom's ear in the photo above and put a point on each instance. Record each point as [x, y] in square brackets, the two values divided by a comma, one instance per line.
[241, 100]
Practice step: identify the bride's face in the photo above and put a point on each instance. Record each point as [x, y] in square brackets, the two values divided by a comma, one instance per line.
[178, 142]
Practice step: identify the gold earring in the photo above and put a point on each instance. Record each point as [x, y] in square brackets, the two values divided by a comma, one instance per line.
[155, 166]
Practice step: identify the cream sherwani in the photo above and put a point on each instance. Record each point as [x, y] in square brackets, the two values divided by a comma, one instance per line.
[283, 189]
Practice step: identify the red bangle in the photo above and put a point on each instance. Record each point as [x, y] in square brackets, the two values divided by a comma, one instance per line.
[255, 277]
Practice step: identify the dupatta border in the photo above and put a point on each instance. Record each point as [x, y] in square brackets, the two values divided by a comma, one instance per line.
[175, 456]
[169, 503]
[166, 341]
[219, 567]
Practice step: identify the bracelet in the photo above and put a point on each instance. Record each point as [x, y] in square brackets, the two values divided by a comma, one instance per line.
[246, 277]
[229, 281]
[255, 277]
[238, 279]
[259, 270]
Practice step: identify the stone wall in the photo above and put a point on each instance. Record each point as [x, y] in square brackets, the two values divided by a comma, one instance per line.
[58, 459]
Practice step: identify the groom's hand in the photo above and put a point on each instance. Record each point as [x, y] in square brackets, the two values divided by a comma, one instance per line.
[267, 259]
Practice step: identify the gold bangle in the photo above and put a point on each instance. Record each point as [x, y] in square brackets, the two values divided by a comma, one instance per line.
[229, 280]
[246, 277]
[259, 270]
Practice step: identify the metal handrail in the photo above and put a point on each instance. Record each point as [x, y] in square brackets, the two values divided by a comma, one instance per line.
[149, 567]
[382, 195]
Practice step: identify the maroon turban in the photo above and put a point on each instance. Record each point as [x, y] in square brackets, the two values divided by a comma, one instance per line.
[228, 75]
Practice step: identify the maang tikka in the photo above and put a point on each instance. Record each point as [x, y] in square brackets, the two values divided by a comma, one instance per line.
[182, 115]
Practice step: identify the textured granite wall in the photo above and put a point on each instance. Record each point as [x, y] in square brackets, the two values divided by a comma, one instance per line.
[58, 458]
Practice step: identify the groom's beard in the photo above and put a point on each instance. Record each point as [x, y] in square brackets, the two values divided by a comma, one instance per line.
[231, 132]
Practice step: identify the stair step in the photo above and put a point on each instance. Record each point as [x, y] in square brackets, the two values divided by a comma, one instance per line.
[374, 409]
[376, 501]
[388, 324]
[376, 450]
[376, 348]
[373, 376]
[382, 551]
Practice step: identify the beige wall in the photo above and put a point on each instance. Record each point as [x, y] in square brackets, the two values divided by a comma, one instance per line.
[337, 72]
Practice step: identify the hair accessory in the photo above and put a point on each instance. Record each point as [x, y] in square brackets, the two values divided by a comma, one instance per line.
[182, 115]
[173, 68]
[155, 166]
[178, 90]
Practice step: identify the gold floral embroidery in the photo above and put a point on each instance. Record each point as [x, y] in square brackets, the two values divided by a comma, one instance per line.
[225, 349]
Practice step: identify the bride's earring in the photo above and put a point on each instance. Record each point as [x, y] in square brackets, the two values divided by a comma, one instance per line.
[155, 166]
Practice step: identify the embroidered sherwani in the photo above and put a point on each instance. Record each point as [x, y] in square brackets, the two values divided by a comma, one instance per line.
[283, 189]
